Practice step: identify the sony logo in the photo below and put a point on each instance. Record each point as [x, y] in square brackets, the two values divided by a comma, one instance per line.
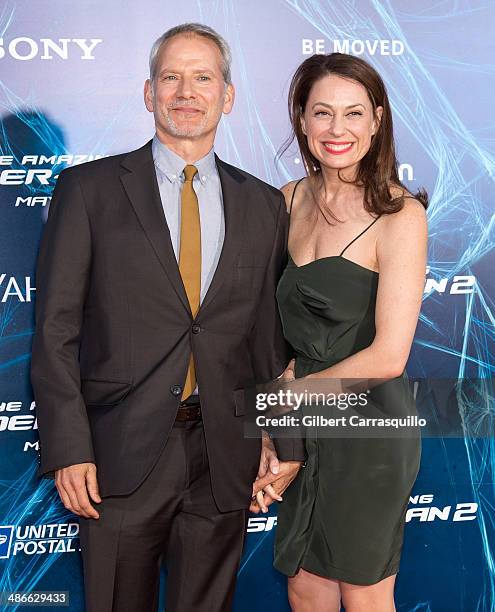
[24, 48]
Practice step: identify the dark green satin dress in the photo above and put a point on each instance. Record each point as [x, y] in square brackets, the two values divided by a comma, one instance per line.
[343, 516]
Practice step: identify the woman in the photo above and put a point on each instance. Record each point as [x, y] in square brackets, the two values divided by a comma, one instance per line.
[349, 301]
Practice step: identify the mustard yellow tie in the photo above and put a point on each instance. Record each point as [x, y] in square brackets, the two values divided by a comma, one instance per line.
[190, 258]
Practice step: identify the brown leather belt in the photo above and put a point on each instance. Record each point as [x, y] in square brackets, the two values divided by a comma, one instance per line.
[189, 410]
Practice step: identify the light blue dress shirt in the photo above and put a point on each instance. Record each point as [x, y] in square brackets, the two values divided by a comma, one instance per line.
[206, 183]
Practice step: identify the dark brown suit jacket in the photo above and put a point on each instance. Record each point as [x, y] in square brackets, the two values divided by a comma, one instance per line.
[114, 329]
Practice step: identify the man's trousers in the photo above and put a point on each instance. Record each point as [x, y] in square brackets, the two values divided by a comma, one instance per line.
[172, 517]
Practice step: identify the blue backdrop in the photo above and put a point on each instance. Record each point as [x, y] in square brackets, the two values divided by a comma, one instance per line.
[71, 78]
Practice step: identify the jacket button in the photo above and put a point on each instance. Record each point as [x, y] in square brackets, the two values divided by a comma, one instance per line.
[196, 328]
[175, 389]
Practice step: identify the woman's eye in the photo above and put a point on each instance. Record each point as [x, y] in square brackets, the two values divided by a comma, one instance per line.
[318, 113]
[355, 113]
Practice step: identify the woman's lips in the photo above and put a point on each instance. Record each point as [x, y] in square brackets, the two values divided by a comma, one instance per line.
[337, 148]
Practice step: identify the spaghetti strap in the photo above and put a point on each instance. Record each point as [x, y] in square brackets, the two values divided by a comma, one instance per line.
[292, 197]
[359, 235]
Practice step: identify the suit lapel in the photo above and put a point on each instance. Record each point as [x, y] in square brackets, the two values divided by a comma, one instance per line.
[234, 206]
[142, 190]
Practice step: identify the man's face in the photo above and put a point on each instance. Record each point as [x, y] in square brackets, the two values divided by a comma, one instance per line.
[188, 94]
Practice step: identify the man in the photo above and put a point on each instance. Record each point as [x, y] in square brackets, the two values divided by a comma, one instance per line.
[155, 308]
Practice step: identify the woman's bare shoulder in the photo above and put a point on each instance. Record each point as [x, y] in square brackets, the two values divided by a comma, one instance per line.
[288, 190]
[412, 206]
[411, 217]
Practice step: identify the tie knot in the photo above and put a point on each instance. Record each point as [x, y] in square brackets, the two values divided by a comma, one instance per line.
[190, 172]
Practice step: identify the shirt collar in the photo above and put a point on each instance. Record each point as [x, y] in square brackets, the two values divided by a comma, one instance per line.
[172, 165]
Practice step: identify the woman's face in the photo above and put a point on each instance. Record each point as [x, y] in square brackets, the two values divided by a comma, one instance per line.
[338, 122]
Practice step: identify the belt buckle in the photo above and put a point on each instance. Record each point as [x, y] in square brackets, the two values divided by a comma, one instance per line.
[189, 412]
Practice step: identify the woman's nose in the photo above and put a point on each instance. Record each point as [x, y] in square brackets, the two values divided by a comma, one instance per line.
[337, 126]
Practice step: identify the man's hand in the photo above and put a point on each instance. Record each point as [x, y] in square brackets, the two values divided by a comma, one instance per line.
[270, 487]
[73, 485]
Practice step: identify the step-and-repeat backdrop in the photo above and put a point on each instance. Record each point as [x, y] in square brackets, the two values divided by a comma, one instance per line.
[71, 79]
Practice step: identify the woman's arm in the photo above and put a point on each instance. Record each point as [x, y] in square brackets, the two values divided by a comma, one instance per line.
[401, 254]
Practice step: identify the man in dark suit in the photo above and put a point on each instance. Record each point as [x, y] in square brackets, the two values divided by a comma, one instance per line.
[155, 308]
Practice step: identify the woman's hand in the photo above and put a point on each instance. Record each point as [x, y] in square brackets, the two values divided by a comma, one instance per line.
[289, 373]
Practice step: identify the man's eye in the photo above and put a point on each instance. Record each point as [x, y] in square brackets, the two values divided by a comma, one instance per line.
[204, 77]
[169, 77]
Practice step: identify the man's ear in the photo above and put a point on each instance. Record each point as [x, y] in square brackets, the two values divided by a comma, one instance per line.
[148, 95]
[228, 98]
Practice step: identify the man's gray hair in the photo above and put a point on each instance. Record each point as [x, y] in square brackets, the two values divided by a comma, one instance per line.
[197, 29]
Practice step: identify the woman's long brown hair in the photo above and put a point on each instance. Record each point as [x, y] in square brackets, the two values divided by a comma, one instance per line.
[378, 169]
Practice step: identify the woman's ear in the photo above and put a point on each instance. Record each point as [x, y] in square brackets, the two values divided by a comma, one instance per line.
[375, 124]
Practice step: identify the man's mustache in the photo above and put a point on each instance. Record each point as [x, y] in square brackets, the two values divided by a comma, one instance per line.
[184, 103]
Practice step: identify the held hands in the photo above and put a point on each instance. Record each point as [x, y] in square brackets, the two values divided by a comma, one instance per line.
[273, 477]
[73, 485]
[270, 487]
[269, 464]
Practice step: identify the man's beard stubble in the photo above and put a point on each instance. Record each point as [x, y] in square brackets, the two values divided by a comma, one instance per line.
[190, 131]
[186, 131]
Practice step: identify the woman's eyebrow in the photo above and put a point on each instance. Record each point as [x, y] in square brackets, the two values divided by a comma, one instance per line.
[331, 107]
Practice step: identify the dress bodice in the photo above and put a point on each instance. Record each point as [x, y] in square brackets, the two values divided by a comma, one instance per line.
[327, 308]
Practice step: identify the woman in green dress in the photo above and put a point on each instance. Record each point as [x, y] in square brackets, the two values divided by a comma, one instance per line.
[349, 301]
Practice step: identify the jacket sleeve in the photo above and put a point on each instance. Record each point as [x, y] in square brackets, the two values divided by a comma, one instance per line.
[62, 280]
[269, 350]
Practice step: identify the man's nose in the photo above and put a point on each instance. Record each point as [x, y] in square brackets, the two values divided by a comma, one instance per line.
[185, 88]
